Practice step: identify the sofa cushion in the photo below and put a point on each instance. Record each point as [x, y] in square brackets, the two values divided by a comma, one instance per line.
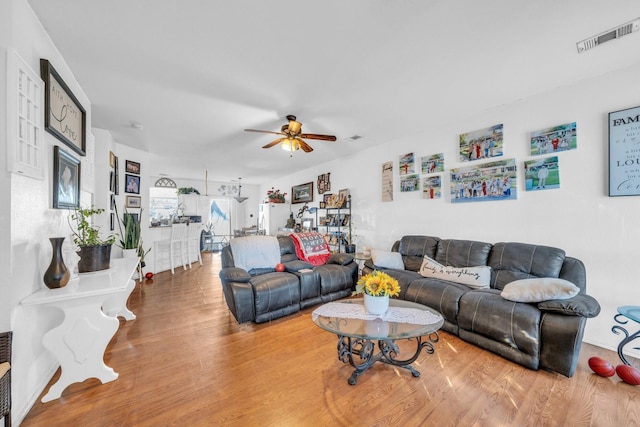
[514, 261]
[387, 259]
[311, 247]
[474, 277]
[441, 295]
[462, 253]
[414, 248]
[275, 291]
[539, 289]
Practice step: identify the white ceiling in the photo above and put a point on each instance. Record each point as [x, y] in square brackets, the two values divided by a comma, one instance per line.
[196, 73]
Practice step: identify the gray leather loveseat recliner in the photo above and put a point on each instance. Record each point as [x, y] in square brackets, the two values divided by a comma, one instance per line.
[262, 294]
[542, 335]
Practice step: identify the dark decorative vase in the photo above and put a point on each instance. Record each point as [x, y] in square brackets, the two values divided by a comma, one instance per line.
[350, 249]
[57, 275]
[94, 258]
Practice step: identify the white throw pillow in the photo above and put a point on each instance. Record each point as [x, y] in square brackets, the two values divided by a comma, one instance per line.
[539, 289]
[474, 277]
[386, 259]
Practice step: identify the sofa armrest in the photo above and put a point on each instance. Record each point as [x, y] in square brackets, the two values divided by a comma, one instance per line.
[234, 274]
[580, 305]
[297, 265]
[340, 259]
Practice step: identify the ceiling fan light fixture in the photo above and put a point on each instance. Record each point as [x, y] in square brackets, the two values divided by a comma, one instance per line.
[290, 144]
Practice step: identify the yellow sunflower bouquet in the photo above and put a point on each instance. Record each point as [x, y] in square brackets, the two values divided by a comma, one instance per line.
[377, 284]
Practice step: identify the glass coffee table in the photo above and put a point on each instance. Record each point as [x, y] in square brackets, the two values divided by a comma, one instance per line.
[357, 332]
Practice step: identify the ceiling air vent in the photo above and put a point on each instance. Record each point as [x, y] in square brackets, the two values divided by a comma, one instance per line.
[614, 33]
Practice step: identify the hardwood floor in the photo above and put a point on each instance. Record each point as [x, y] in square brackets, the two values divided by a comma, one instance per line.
[186, 362]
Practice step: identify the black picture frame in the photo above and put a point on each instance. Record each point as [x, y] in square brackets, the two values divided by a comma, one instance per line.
[131, 184]
[64, 116]
[624, 137]
[66, 180]
[132, 167]
[302, 193]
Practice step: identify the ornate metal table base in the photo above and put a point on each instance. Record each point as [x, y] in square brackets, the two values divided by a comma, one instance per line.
[364, 349]
[616, 329]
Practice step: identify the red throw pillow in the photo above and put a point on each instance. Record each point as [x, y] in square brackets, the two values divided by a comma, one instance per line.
[311, 247]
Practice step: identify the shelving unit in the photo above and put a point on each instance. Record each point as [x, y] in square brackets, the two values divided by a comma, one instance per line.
[335, 224]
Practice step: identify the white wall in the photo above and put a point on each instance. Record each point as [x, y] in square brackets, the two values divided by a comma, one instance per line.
[25, 210]
[602, 231]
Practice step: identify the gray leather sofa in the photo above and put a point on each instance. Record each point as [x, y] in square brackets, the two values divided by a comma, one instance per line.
[543, 335]
[261, 295]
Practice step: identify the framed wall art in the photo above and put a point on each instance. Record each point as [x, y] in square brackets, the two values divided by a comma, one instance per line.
[66, 180]
[481, 144]
[132, 184]
[542, 174]
[132, 167]
[433, 163]
[407, 164]
[133, 201]
[302, 193]
[484, 182]
[554, 139]
[624, 156]
[64, 116]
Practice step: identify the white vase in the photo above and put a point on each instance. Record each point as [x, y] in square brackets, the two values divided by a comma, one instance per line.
[376, 305]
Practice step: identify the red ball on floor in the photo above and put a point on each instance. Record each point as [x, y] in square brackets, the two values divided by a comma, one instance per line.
[280, 268]
[628, 374]
[149, 275]
[601, 367]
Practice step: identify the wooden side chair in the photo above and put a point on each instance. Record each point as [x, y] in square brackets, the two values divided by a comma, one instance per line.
[5, 377]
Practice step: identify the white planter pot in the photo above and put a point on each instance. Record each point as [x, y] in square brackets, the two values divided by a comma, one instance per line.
[130, 253]
[376, 305]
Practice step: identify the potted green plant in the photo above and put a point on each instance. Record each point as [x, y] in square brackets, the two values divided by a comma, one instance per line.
[94, 251]
[129, 226]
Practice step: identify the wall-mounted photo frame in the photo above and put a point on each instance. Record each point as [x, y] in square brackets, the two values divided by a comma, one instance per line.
[307, 223]
[481, 144]
[66, 180]
[302, 193]
[344, 197]
[132, 167]
[112, 159]
[133, 201]
[624, 138]
[131, 184]
[64, 116]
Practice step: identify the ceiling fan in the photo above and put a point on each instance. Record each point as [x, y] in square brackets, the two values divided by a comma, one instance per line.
[292, 136]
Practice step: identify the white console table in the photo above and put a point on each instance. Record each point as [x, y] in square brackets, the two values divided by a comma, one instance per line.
[90, 306]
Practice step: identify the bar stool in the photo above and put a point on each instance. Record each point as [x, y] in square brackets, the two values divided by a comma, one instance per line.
[175, 247]
[193, 242]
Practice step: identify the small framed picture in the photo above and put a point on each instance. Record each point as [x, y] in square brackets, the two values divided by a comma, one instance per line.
[66, 180]
[307, 223]
[344, 197]
[113, 201]
[133, 201]
[323, 205]
[112, 159]
[132, 167]
[131, 184]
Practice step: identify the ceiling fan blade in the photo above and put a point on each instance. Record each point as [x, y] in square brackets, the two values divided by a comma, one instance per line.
[305, 147]
[316, 136]
[263, 131]
[272, 143]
